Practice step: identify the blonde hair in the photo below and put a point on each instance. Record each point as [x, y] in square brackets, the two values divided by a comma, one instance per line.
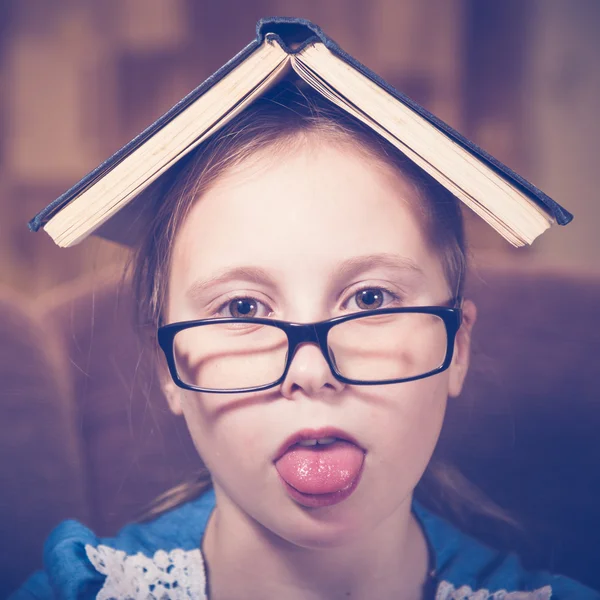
[282, 120]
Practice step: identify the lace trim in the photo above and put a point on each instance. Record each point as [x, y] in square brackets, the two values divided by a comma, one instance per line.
[180, 575]
[177, 575]
[446, 591]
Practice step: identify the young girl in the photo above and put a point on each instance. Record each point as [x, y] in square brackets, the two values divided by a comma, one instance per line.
[306, 282]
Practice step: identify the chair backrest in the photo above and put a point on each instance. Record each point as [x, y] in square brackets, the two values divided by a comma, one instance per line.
[135, 448]
[524, 430]
[526, 427]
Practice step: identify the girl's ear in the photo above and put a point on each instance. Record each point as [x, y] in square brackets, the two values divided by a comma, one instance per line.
[173, 396]
[171, 391]
[462, 350]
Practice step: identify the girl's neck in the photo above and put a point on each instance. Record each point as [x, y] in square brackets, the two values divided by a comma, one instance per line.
[245, 561]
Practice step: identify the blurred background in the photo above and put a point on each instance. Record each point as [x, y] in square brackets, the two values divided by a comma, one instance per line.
[79, 78]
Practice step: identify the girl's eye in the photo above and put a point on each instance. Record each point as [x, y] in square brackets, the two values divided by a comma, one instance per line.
[243, 308]
[371, 298]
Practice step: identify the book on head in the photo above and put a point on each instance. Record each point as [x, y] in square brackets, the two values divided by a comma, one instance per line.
[109, 201]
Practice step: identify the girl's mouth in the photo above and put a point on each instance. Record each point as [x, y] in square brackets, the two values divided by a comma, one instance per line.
[322, 470]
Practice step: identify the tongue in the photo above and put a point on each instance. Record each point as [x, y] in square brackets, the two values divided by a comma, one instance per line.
[321, 469]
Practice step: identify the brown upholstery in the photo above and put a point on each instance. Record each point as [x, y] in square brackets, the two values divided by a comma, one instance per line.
[134, 447]
[525, 429]
[40, 447]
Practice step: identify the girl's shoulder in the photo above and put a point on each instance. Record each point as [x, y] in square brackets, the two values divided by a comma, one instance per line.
[156, 557]
[464, 568]
[161, 558]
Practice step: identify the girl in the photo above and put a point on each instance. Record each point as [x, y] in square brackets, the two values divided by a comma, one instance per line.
[305, 281]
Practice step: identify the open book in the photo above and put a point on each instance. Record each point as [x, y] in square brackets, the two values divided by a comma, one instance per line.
[515, 208]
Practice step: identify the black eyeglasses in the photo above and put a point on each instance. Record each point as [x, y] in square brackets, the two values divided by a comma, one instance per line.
[375, 347]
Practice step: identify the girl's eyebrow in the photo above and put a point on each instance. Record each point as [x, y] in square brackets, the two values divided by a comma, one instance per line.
[253, 274]
[359, 264]
[348, 268]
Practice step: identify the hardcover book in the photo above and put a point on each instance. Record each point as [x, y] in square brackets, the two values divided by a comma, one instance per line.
[109, 201]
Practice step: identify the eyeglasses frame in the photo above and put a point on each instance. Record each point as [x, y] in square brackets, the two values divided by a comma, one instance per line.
[313, 333]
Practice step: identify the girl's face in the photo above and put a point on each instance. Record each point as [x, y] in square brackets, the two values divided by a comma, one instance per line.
[300, 235]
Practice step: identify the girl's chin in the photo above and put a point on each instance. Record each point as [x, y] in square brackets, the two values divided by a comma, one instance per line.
[351, 520]
[323, 538]
[321, 528]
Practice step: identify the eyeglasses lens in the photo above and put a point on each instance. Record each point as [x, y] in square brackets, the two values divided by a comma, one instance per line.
[229, 356]
[388, 346]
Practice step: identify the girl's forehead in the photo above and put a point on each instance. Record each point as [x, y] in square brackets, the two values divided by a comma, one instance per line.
[320, 204]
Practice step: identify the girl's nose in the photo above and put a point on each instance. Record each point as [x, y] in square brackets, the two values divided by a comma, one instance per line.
[309, 374]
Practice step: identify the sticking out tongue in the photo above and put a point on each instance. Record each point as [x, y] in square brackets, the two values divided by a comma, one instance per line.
[321, 469]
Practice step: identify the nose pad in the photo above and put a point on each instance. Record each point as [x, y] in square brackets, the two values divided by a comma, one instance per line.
[332, 359]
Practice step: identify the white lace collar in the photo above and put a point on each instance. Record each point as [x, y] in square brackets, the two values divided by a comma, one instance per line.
[175, 575]
[180, 575]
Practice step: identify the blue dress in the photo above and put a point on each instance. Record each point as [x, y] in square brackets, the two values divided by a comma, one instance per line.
[161, 559]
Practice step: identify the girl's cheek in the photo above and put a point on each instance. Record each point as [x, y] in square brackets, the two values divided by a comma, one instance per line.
[413, 418]
[234, 436]
[244, 444]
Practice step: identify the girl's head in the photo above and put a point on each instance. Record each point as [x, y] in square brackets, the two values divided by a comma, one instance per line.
[297, 212]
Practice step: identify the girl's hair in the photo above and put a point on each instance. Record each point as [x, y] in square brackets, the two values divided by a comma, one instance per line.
[282, 120]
